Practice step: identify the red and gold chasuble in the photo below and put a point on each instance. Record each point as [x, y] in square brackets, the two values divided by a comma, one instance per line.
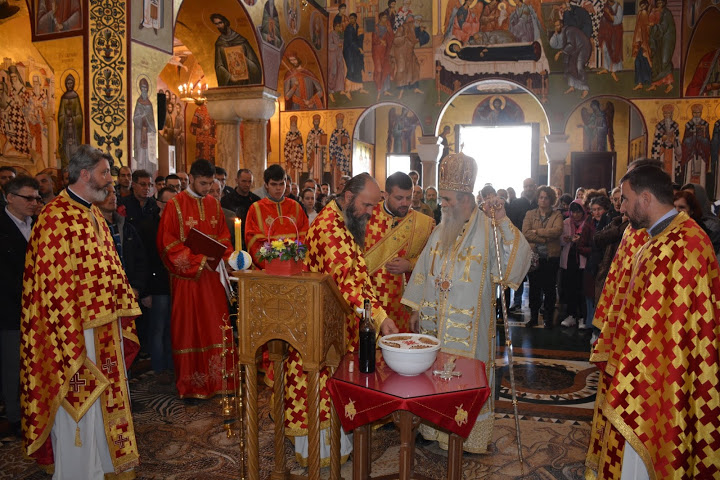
[199, 303]
[660, 382]
[74, 281]
[387, 237]
[331, 250]
[263, 222]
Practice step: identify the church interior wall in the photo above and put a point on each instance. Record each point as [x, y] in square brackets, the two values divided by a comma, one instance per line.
[621, 128]
[695, 37]
[328, 123]
[703, 44]
[196, 30]
[461, 109]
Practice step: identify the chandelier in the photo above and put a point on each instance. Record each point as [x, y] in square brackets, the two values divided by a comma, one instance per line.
[193, 93]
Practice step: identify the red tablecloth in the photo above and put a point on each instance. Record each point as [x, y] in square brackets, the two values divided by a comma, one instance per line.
[453, 404]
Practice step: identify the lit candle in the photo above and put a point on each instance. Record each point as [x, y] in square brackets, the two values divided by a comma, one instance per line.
[238, 234]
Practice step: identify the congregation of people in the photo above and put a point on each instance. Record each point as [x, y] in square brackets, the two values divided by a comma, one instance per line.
[103, 252]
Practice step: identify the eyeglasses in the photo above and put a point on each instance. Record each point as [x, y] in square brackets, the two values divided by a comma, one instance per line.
[28, 198]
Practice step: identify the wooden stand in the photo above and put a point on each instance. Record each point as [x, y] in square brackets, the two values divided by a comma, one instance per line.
[307, 312]
[407, 423]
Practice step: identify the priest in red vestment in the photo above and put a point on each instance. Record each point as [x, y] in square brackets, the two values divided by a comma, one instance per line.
[335, 247]
[199, 302]
[275, 216]
[656, 413]
[78, 335]
[394, 239]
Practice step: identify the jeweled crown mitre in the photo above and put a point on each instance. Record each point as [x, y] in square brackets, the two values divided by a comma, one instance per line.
[457, 172]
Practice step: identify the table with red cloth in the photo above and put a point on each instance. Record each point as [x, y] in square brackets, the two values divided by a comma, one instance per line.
[452, 405]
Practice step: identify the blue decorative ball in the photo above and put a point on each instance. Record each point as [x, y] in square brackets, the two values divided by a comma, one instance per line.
[240, 260]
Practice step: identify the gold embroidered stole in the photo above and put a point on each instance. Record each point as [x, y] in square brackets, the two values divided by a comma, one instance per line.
[410, 234]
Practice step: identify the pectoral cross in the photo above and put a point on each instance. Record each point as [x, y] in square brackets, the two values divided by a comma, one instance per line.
[191, 222]
[467, 257]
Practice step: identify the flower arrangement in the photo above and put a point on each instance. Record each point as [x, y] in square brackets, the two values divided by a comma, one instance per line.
[282, 248]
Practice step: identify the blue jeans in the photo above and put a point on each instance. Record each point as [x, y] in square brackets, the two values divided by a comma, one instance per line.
[590, 312]
[160, 340]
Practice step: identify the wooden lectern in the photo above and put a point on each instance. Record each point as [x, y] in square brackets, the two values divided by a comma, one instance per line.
[308, 312]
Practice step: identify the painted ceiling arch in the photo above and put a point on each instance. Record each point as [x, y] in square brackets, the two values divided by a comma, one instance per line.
[222, 38]
[702, 64]
[301, 80]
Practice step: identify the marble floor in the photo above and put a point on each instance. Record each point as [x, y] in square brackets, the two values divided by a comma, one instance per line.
[554, 381]
[555, 385]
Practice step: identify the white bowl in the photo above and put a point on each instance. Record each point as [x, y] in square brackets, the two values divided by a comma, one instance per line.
[409, 353]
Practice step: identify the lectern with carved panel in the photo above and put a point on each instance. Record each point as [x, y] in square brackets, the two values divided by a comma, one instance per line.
[307, 312]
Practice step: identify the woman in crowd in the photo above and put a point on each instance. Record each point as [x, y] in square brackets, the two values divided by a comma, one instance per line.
[608, 240]
[542, 228]
[580, 194]
[686, 202]
[308, 203]
[709, 222]
[564, 205]
[572, 263]
[600, 206]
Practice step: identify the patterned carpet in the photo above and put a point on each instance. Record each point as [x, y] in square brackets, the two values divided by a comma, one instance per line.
[180, 441]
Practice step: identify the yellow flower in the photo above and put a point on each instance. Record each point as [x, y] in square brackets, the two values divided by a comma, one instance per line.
[278, 245]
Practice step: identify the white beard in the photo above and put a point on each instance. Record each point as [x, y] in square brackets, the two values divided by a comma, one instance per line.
[450, 228]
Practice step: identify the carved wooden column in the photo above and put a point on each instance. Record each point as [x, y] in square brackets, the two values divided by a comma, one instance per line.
[253, 106]
[557, 149]
[429, 149]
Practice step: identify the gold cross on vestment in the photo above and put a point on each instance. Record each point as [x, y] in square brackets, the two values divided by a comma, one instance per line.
[191, 222]
[467, 257]
[109, 365]
[434, 251]
[214, 222]
[121, 441]
[76, 382]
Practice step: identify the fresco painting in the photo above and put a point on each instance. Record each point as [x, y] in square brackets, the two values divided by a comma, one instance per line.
[27, 100]
[151, 23]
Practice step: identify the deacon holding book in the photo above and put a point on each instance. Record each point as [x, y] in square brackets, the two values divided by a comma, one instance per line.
[198, 295]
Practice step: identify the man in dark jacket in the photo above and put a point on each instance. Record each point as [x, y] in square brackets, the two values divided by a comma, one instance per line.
[131, 252]
[240, 199]
[15, 225]
[516, 210]
[140, 204]
[157, 299]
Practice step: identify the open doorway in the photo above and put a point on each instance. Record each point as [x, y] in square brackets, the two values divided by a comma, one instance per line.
[503, 154]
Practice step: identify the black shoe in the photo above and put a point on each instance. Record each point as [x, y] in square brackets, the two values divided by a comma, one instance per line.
[515, 309]
[547, 325]
[532, 323]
